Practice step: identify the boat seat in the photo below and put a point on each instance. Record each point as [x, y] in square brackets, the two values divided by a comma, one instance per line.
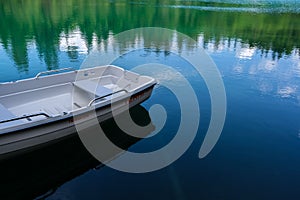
[5, 114]
[93, 88]
[55, 111]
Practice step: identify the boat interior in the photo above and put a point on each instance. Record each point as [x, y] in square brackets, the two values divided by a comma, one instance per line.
[59, 94]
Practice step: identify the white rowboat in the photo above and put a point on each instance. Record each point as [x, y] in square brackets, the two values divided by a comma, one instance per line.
[42, 109]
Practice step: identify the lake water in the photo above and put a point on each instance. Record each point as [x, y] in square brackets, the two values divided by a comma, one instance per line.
[256, 48]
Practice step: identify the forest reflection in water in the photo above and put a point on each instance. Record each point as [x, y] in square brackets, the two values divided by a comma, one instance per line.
[46, 29]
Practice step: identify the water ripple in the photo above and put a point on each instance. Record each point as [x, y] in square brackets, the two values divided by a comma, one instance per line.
[255, 8]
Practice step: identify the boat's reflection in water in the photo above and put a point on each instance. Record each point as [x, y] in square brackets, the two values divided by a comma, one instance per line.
[38, 173]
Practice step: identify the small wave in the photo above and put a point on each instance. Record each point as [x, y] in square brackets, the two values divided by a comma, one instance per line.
[239, 9]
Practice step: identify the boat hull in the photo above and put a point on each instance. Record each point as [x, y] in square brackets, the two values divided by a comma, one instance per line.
[34, 137]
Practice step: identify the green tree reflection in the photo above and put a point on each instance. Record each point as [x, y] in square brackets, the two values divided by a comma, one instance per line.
[44, 21]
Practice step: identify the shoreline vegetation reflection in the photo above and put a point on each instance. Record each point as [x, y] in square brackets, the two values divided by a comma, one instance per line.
[48, 25]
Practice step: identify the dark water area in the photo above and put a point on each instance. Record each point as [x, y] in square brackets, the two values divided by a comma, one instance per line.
[255, 46]
[32, 173]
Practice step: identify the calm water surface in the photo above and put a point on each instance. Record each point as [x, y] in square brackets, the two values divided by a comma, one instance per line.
[256, 47]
